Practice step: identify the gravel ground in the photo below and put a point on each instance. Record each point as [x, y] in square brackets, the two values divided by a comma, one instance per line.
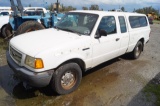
[119, 82]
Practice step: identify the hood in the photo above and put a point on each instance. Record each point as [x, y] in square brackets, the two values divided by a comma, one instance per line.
[35, 42]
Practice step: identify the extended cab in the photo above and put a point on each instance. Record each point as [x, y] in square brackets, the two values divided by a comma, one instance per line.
[81, 40]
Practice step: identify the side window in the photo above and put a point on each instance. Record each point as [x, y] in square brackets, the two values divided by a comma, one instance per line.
[108, 24]
[122, 24]
[138, 21]
[134, 21]
[143, 21]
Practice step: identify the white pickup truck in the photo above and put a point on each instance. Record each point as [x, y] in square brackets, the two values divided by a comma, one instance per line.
[81, 40]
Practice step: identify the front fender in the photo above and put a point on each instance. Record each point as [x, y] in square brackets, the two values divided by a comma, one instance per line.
[55, 61]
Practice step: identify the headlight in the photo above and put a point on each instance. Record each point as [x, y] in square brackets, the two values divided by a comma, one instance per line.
[36, 63]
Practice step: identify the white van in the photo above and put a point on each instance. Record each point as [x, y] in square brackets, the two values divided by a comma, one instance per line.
[5, 9]
[4, 19]
[34, 10]
[81, 40]
[3, 22]
[6, 13]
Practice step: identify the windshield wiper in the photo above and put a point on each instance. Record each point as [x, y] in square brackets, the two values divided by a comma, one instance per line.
[66, 29]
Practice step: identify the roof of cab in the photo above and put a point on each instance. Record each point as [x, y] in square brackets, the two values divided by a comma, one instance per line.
[108, 12]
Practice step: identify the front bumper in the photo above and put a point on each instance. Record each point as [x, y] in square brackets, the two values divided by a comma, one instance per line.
[32, 78]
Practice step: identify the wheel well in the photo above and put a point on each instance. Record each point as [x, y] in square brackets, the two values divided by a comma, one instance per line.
[3, 27]
[142, 40]
[43, 25]
[76, 60]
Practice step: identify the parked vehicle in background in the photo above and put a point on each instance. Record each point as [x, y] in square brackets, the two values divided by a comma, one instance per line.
[1, 14]
[6, 13]
[29, 11]
[31, 20]
[5, 9]
[33, 11]
[150, 20]
[3, 23]
[81, 41]
[4, 19]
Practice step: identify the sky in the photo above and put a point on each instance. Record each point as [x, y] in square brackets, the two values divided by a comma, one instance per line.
[129, 5]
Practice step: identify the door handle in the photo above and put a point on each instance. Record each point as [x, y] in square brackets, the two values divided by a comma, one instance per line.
[117, 39]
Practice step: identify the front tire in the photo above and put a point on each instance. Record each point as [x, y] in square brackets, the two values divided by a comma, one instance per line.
[3, 33]
[29, 26]
[66, 78]
[135, 54]
[8, 31]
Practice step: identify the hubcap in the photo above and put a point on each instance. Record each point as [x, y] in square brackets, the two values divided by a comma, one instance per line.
[68, 80]
[138, 50]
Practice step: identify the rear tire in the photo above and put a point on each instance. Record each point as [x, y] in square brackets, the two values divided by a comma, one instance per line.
[66, 78]
[29, 26]
[135, 54]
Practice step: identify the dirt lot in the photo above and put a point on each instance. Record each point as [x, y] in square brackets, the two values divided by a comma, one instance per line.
[119, 82]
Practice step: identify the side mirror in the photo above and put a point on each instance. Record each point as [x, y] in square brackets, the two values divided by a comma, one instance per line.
[100, 33]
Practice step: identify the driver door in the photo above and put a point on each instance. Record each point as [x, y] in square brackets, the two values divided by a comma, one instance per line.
[106, 47]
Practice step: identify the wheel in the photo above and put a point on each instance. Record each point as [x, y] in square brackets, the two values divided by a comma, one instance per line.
[3, 34]
[67, 78]
[29, 26]
[8, 30]
[135, 54]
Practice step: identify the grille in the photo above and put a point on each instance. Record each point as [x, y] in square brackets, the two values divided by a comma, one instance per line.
[16, 55]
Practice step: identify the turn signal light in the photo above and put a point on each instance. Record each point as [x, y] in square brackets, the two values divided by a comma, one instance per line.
[39, 64]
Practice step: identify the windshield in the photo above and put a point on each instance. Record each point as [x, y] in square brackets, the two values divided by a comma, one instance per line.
[4, 13]
[81, 23]
[33, 13]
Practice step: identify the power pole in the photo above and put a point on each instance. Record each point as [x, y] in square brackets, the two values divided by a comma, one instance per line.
[119, 6]
[57, 6]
